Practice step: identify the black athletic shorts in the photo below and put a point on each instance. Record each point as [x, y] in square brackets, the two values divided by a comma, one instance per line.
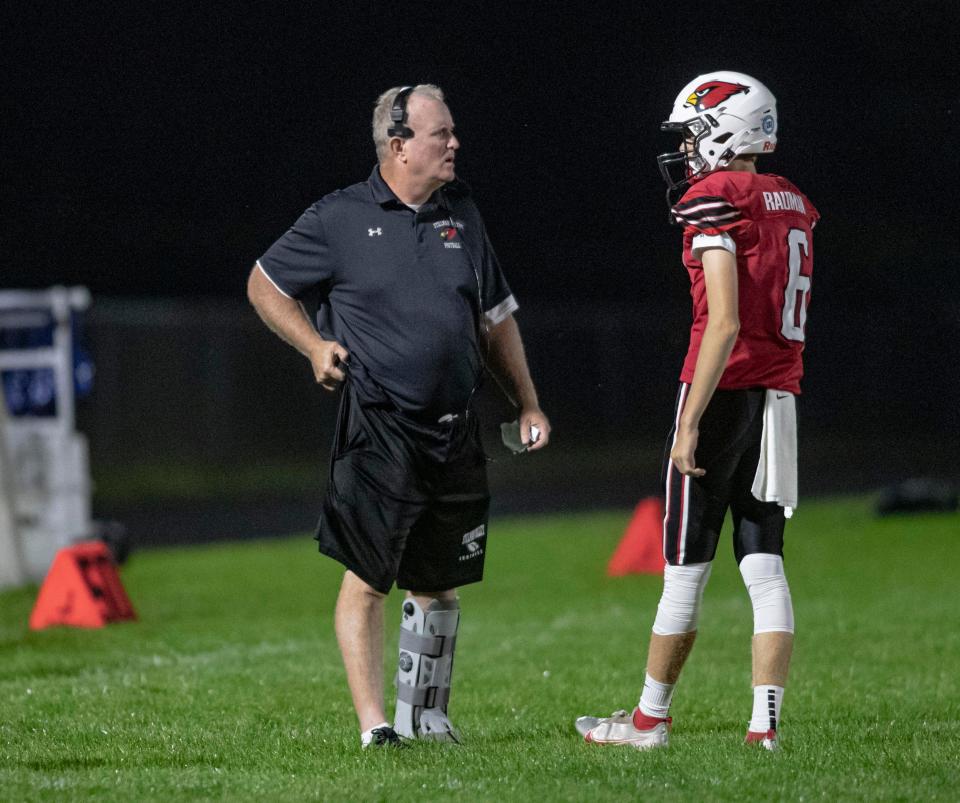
[728, 449]
[406, 502]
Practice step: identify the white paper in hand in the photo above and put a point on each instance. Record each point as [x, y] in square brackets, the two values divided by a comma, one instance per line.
[510, 434]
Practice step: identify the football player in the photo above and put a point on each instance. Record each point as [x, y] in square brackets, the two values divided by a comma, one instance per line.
[748, 250]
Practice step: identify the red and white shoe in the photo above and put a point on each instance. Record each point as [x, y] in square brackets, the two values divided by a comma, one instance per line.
[766, 739]
[632, 730]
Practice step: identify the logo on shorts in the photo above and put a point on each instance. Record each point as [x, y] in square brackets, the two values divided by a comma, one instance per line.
[471, 543]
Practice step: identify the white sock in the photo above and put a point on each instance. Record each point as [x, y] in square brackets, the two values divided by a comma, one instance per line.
[367, 736]
[766, 708]
[655, 700]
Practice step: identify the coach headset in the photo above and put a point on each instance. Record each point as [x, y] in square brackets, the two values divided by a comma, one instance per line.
[398, 116]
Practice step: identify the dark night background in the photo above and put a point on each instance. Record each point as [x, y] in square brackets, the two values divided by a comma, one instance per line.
[155, 152]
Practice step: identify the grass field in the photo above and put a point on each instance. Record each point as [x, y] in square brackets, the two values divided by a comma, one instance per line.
[230, 686]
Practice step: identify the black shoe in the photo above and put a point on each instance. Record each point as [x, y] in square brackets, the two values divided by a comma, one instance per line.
[385, 737]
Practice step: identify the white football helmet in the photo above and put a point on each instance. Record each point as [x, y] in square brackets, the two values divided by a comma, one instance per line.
[722, 115]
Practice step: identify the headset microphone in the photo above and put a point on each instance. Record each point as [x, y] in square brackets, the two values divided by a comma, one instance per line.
[398, 115]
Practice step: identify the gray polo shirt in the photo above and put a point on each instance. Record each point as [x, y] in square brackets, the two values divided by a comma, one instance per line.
[402, 291]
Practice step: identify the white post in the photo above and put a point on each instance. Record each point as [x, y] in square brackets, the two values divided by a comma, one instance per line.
[12, 572]
[47, 459]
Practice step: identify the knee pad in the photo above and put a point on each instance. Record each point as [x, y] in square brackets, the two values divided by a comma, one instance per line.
[767, 585]
[427, 642]
[679, 608]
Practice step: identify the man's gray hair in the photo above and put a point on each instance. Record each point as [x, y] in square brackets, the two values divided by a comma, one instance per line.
[381, 114]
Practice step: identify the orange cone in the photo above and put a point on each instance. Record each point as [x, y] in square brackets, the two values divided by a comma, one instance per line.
[640, 551]
[82, 589]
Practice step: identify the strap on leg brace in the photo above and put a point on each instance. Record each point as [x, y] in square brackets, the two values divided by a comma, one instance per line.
[427, 642]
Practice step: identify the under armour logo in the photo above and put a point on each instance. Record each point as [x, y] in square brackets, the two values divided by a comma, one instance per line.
[377, 231]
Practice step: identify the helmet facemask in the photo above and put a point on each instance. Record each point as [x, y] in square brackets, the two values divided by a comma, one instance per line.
[680, 168]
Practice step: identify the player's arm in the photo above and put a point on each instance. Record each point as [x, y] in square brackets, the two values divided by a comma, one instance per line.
[719, 337]
[508, 364]
[287, 318]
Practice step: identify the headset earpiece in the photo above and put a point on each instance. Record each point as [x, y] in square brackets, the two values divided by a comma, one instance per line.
[398, 114]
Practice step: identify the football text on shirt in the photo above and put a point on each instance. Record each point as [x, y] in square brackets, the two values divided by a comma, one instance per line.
[778, 201]
[447, 222]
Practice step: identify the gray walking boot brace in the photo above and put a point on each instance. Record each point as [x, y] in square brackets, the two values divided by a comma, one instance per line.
[427, 641]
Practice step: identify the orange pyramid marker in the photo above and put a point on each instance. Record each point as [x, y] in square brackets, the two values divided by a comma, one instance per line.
[640, 551]
[82, 589]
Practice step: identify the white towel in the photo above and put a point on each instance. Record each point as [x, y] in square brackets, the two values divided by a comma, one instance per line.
[776, 478]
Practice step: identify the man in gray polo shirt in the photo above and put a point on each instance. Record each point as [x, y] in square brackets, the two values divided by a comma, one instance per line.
[413, 309]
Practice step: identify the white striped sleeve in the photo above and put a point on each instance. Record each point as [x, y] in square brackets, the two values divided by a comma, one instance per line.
[502, 311]
[708, 213]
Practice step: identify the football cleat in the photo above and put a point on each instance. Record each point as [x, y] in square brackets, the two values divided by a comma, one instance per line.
[384, 737]
[766, 739]
[632, 730]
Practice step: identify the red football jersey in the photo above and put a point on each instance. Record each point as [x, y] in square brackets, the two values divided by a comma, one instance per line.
[771, 223]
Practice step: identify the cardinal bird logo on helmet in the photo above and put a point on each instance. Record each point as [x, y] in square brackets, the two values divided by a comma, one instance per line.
[711, 94]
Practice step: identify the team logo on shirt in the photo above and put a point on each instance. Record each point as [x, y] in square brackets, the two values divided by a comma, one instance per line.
[711, 94]
[449, 231]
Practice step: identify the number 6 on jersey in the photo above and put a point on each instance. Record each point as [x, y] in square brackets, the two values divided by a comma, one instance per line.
[797, 294]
